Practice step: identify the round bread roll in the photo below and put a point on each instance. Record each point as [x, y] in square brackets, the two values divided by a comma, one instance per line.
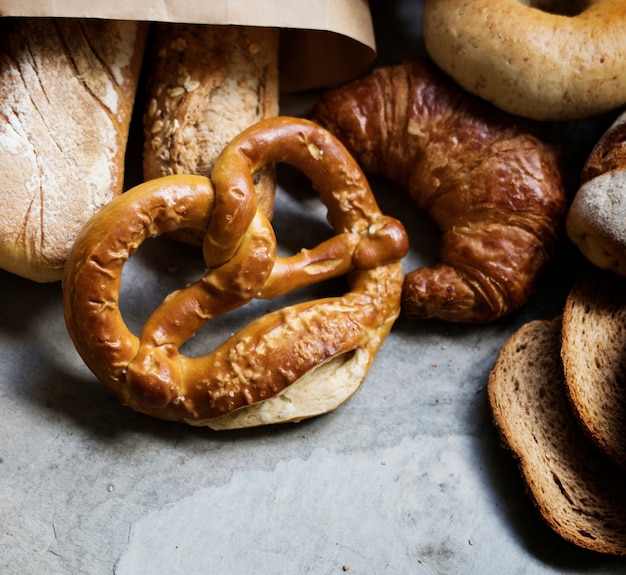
[67, 92]
[543, 59]
[596, 220]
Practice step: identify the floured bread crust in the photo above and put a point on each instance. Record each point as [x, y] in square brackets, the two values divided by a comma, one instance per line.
[67, 92]
[596, 219]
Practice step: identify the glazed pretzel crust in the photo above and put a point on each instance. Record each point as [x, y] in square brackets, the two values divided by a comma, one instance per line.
[148, 372]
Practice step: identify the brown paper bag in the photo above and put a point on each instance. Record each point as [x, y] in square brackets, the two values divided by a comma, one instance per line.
[323, 42]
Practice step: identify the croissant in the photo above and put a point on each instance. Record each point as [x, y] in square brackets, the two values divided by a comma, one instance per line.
[490, 181]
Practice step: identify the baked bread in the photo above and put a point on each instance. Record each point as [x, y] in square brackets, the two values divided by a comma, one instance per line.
[593, 350]
[323, 347]
[609, 153]
[67, 92]
[577, 491]
[206, 84]
[491, 183]
[542, 59]
[596, 219]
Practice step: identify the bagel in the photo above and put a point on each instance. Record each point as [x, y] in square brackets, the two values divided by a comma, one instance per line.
[542, 59]
[288, 365]
[487, 179]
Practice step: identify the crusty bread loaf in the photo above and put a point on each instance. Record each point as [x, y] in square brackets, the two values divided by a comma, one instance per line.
[596, 220]
[206, 84]
[67, 90]
[578, 492]
[593, 351]
[609, 153]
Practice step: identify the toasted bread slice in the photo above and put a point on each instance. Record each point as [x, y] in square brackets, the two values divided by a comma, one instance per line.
[578, 492]
[593, 350]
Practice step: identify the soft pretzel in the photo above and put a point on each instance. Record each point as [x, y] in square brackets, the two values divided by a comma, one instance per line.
[492, 186]
[337, 335]
[543, 59]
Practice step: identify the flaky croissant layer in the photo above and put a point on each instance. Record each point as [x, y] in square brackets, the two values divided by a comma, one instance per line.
[489, 181]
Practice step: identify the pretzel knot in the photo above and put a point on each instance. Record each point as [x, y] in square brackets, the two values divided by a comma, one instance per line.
[294, 363]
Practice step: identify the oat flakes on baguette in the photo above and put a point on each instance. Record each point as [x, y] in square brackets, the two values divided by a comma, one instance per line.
[593, 351]
[67, 92]
[206, 84]
[577, 491]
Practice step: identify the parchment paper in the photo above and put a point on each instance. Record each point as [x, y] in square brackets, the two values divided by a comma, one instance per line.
[323, 42]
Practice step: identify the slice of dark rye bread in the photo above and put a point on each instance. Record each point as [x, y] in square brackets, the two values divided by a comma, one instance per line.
[578, 492]
[593, 350]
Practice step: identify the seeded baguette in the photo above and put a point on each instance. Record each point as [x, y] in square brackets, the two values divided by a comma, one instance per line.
[206, 84]
[577, 491]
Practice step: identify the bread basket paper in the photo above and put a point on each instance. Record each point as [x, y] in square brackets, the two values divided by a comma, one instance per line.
[323, 42]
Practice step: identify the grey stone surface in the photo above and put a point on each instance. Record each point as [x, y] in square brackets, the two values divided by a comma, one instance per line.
[406, 477]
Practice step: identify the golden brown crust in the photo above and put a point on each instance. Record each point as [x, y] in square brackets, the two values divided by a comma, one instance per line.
[542, 59]
[489, 182]
[148, 373]
[596, 220]
[206, 84]
[67, 92]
